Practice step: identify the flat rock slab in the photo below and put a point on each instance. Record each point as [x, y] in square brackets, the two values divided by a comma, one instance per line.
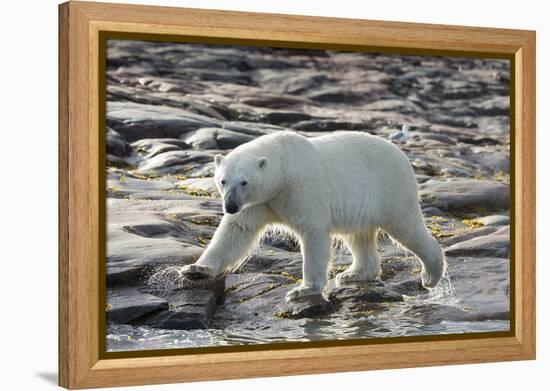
[495, 220]
[216, 138]
[126, 305]
[169, 281]
[136, 121]
[468, 235]
[467, 194]
[188, 309]
[482, 246]
[304, 308]
[173, 161]
[412, 287]
[369, 292]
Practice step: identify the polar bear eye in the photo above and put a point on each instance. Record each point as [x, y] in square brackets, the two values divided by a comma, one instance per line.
[244, 183]
[223, 182]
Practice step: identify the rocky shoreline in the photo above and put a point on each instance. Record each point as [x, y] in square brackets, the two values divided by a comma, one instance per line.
[172, 107]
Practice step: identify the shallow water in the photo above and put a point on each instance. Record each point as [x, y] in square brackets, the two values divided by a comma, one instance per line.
[126, 337]
[416, 316]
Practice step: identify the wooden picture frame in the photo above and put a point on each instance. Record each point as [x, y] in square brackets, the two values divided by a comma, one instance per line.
[82, 29]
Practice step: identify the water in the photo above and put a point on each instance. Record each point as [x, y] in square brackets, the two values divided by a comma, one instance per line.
[426, 314]
[127, 338]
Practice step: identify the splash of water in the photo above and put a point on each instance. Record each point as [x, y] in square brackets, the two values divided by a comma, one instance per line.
[165, 280]
[442, 294]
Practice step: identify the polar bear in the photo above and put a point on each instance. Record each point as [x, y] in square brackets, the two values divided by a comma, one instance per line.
[349, 184]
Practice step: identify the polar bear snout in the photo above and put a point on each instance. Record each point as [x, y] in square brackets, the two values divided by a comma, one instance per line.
[230, 207]
[232, 201]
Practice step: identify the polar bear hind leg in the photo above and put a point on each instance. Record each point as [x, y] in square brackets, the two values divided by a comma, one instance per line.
[366, 261]
[409, 230]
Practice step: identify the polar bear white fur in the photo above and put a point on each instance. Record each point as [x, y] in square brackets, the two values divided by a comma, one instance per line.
[349, 184]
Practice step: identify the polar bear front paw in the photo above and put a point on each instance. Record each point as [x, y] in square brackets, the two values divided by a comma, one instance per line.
[303, 291]
[197, 272]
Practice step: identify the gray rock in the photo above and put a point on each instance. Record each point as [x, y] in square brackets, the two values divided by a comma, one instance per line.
[369, 292]
[456, 172]
[251, 128]
[481, 286]
[139, 242]
[499, 105]
[173, 162]
[482, 246]
[422, 178]
[495, 220]
[274, 260]
[467, 194]
[135, 121]
[128, 304]
[468, 235]
[432, 211]
[503, 231]
[116, 145]
[304, 308]
[201, 185]
[188, 309]
[115, 161]
[412, 287]
[216, 138]
[326, 125]
[148, 144]
[283, 117]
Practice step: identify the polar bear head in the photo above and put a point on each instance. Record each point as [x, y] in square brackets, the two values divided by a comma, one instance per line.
[242, 180]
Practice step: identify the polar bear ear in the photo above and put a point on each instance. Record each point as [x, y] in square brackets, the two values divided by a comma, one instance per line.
[218, 159]
[262, 162]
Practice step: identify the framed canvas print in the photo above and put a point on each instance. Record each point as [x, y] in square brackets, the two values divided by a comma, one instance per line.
[247, 195]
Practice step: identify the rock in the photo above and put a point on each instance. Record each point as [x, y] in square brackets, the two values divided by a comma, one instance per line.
[326, 125]
[432, 211]
[339, 94]
[273, 101]
[503, 231]
[481, 286]
[200, 185]
[124, 275]
[308, 307]
[456, 172]
[136, 121]
[251, 128]
[498, 105]
[173, 162]
[216, 138]
[274, 260]
[246, 287]
[140, 242]
[412, 287]
[188, 309]
[494, 220]
[116, 145]
[115, 161]
[120, 183]
[369, 292]
[148, 144]
[490, 160]
[482, 246]
[283, 117]
[466, 194]
[468, 235]
[128, 304]
[422, 178]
